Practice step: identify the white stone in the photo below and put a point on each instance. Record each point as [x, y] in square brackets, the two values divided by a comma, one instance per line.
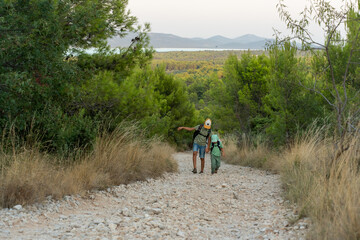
[112, 227]
[180, 234]
[17, 207]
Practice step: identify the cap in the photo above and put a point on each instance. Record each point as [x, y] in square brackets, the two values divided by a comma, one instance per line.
[214, 138]
[207, 124]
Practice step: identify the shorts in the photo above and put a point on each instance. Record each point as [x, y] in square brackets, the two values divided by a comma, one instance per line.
[201, 149]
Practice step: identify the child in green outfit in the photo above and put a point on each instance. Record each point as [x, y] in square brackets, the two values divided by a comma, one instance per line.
[217, 150]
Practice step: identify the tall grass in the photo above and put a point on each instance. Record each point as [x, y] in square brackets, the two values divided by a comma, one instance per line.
[247, 152]
[325, 189]
[28, 176]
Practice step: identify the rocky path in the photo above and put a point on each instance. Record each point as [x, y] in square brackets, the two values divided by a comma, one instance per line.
[236, 203]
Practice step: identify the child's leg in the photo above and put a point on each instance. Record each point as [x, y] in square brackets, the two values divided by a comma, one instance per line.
[213, 164]
[218, 163]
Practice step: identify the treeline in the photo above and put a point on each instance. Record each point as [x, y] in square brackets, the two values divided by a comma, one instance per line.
[54, 93]
[270, 94]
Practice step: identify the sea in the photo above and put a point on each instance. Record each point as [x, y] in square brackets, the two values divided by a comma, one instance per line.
[196, 49]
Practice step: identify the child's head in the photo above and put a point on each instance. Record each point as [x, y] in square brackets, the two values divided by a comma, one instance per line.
[214, 138]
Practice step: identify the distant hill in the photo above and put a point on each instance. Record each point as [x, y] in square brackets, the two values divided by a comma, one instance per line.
[162, 40]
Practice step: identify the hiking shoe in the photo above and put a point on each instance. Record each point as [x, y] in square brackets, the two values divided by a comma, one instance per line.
[201, 172]
[194, 171]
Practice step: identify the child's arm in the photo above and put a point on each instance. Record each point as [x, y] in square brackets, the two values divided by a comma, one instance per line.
[222, 149]
[186, 128]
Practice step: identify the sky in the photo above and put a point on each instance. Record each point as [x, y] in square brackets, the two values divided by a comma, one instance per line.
[207, 18]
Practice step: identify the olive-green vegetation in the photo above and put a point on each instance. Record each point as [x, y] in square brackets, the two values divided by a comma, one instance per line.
[251, 93]
[52, 90]
[58, 102]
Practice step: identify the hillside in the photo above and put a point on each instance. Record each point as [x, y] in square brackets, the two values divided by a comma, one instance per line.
[162, 40]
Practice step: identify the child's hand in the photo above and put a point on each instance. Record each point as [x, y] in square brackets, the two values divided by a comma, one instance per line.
[179, 128]
[207, 150]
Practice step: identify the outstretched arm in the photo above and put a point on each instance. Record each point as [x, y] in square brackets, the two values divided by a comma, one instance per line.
[186, 128]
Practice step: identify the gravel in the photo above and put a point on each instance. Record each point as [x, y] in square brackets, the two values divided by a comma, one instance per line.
[235, 203]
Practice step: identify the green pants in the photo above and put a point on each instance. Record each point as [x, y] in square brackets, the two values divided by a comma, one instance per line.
[215, 163]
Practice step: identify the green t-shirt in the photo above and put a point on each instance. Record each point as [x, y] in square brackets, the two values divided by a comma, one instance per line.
[216, 151]
[199, 139]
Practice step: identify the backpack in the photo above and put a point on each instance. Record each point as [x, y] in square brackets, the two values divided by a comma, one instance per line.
[197, 132]
[213, 145]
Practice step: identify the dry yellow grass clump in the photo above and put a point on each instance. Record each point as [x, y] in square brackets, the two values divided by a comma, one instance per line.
[124, 156]
[246, 153]
[325, 189]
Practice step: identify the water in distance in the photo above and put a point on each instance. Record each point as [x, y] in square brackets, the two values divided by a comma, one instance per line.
[194, 49]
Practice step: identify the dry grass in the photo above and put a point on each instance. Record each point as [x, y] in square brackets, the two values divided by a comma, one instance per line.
[324, 189]
[28, 176]
[246, 153]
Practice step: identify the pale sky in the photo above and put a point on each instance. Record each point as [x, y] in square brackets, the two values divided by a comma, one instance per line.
[207, 18]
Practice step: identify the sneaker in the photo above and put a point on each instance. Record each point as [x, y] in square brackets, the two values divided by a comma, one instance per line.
[201, 172]
[194, 171]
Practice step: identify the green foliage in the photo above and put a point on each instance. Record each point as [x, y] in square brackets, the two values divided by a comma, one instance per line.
[245, 86]
[66, 134]
[157, 100]
[336, 63]
[40, 87]
[289, 104]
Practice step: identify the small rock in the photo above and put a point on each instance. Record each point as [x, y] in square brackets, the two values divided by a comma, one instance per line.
[98, 221]
[180, 234]
[235, 196]
[17, 207]
[157, 210]
[112, 227]
[75, 225]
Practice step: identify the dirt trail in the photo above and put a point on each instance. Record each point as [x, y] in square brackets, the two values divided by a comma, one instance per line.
[236, 203]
